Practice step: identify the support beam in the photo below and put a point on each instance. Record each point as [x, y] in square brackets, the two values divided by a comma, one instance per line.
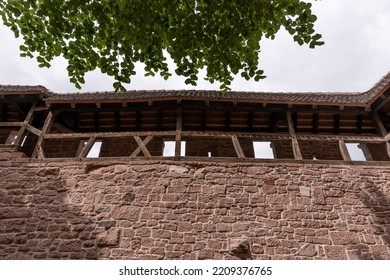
[294, 141]
[142, 146]
[138, 150]
[179, 127]
[378, 124]
[33, 130]
[29, 118]
[9, 124]
[388, 149]
[84, 151]
[237, 147]
[344, 151]
[45, 129]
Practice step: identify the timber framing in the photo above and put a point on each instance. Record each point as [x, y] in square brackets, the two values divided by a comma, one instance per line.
[138, 122]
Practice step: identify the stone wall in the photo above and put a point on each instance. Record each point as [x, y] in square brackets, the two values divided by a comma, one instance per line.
[192, 210]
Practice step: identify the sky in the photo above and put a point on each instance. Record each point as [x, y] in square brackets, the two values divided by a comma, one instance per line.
[355, 56]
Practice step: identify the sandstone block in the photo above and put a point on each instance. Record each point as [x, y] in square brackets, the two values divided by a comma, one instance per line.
[110, 238]
[344, 238]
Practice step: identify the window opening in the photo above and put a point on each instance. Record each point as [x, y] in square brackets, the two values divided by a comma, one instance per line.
[169, 148]
[355, 151]
[209, 154]
[23, 141]
[95, 150]
[263, 149]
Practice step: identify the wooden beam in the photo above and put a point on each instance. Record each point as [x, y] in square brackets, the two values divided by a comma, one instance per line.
[294, 141]
[9, 124]
[296, 150]
[29, 118]
[237, 147]
[388, 149]
[45, 129]
[87, 147]
[344, 151]
[179, 128]
[107, 134]
[142, 146]
[33, 130]
[138, 149]
[378, 124]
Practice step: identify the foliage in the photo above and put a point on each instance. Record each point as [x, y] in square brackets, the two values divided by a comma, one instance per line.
[221, 36]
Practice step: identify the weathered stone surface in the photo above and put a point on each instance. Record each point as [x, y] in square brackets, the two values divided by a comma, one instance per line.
[110, 238]
[192, 210]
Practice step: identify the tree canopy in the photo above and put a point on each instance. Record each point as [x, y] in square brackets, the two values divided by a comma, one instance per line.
[221, 36]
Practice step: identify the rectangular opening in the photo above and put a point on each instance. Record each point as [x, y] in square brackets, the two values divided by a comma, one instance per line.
[263, 149]
[95, 149]
[356, 152]
[169, 148]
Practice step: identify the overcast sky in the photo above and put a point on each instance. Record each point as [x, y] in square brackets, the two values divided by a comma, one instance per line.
[356, 55]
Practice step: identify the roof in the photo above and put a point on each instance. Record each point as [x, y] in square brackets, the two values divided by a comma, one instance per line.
[325, 98]
[329, 98]
[11, 89]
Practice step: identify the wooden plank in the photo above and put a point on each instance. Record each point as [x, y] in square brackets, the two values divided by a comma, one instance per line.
[138, 149]
[41, 154]
[108, 134]
[296, 149]
[179, 127]
[142, 146]
[237, 147]
[9, 124]
[344, 151]
[45, 129]
[378, 124]
[388, 149]
[84, 151]
[290, 125]
[33, 130]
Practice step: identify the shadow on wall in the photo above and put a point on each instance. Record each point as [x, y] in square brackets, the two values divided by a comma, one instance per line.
[375, 195]
[37, 222]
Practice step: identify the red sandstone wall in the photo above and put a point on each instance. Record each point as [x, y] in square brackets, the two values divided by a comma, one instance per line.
[188, 210]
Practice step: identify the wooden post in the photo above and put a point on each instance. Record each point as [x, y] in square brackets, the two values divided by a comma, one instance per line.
[388, 149]
[294, 141]
[45, 129]
[179, 127]
[84, 151]
[344, 151]
[378, 124]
